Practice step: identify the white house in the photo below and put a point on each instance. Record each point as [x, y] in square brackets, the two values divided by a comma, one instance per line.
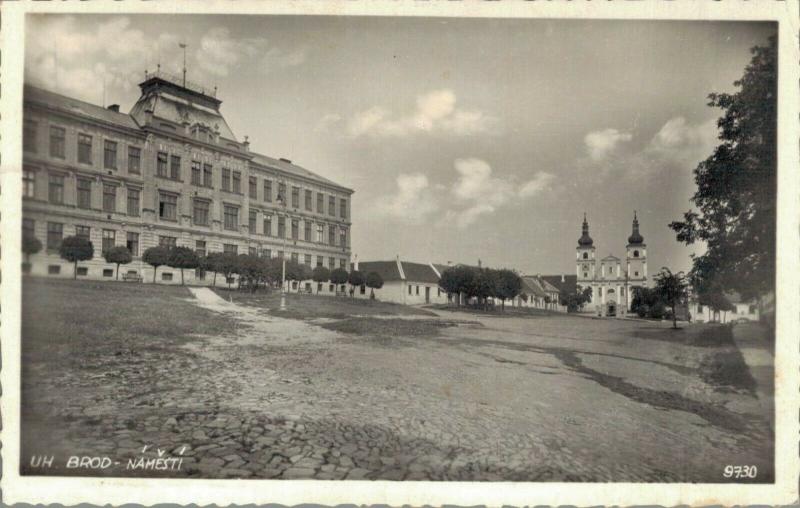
[404, 282]
[742, 310]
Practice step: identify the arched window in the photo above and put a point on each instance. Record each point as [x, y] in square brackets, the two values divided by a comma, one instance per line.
[585, 255]
[636, 253]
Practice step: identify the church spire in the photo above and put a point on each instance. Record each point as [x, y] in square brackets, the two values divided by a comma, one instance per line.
[585, 240]
[635, 238]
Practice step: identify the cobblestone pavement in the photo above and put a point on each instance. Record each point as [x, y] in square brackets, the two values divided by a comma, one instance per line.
[553, 398]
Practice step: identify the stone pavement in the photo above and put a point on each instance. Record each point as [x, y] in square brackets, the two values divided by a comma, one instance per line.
[516, 399]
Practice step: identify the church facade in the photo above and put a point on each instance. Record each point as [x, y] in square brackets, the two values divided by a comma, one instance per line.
[610, 280]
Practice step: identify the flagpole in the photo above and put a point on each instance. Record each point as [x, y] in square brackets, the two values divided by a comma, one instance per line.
[183, 46]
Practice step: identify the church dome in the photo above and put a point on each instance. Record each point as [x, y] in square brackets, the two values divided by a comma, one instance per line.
[585, 240]
[636, 238]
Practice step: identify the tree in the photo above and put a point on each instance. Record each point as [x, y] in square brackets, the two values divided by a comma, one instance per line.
[182, 257]
[485, 285]
[30, 246]
[457, 280]
[119, 255]
[355, 279]
[155, 257]
[574, 300]
[507, 285]
[339, 276]
[320, 275]
[74, 249]
[227, 264]
[212, 263]
[374, 281]
[716, 300]
[672, 288]
[736, 187]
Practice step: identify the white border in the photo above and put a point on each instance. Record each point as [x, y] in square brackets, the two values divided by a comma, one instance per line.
[98, 491]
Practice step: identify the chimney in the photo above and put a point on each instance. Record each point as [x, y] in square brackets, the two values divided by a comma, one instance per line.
[287, 161]
[114, 107]
[246, 144]
[562, 277]
[355, 261]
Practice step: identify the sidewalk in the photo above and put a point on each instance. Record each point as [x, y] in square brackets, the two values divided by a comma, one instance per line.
[758, 354]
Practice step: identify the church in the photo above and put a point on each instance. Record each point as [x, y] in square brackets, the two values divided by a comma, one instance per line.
[610, 282]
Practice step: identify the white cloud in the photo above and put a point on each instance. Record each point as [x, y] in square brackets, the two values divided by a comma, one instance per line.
[435, 111]
[412, 202]
[219, 52]
[327, 122]
[539, 183]
[679, 139]
[601, 143]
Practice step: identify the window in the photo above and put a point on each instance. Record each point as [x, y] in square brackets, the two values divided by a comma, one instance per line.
[268, 225]
[295, 258]
[308, 200]
[175, 167]
[109, 238]
[636, 253]
[295, 229]
[599, 291]
[295, 197]
[167, 206]
[268, 191]
[29, 136]
[53, 269]
[133, 202]
[417, 290]
[110, 154]
[84, 193]
[635, 274]
[108, 272]
[331, 288]
[307, 231]
[331, 235]
[28, 183]
[585, 255]
[84, 148]
[132, 243]
[320, 260]
[409, 289]
[320, 233]
[84, 232]
[134, 159]
[343, 237]
[332, 206]
[196, 173]
[28, 228]
[226, 179]
[230, 248]
[55, 232]
[165, 276]
[237, 182]
[167, 241]
[82, 270]
[585, 275]
[281, 227]
[331, 263]
[161, 164]
[699, 308]
[57, 135]
[363, 289]
[307, 259]
[282, 193]
[752, 309]
[200, 212]
[109, 198]
[320, 202]
[252, 251]
[343, 264]
[251, 221]
[200, 248]
[280, 254]
[266, 253]
[207, 175]
[734, 310]
[252, 187]
[56, 189]
[231, 216]
[343, 208]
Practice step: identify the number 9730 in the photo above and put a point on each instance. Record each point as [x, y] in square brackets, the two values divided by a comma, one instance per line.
[740, 471]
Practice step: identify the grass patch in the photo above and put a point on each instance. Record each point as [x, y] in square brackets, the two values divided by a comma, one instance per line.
[497, 311]
[305, 306]
[694, 335]
[392, 328]
[727, 369]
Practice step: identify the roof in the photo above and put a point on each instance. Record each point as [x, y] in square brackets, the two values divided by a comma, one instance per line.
[66, 104]
[532, 286]
[569, 283]
[610, 256]
[419, 272]
[386, 269]
[178, 110]
[293, 169]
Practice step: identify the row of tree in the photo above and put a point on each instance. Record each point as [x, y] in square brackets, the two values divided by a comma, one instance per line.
[481, 283]
[253, 271]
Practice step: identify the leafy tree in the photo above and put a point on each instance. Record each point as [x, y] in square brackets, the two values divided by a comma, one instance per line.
[210, 262]
[672, 288]
[457, 280]
[155, 257]
[251, 270]
[716, 300]
[339, 276]
[320, 275]
[485, 285]
[736, 186]
[374, 281]
[182, 257]
[119, 255]
[573, 300]
[356, 279]
[74, 249]
[508, 284]
[30, 246]
[227, 264]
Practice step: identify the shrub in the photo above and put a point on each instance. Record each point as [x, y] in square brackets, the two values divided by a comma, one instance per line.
[155, 257]
[119, 255]
[74, 249]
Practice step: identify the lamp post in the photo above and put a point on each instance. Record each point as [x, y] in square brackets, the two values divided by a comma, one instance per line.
[282, 201]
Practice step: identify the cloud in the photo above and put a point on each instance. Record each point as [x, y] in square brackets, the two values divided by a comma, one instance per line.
[601, 143]
[435, 111]
[539, 183]
[219, 52]
[412, 203]
[679, 140]
[327, 122]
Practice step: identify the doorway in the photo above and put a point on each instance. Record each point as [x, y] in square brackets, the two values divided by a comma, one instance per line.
[427, 294]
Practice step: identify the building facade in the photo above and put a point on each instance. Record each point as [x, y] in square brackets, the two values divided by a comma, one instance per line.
[170, 173]
[404, 282]
[611, 282]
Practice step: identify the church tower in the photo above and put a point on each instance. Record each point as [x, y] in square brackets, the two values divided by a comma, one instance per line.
[636, 257]
[585, 257]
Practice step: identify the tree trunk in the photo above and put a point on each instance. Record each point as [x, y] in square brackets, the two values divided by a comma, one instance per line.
[181, 276]
[674, 318]
[155, 268]
[214, 283]
[118, 271]
[75, 271]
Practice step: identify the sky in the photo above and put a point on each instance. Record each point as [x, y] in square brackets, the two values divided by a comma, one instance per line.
[464, 139]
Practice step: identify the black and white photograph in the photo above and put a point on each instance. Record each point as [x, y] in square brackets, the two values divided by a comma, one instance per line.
[378, 248]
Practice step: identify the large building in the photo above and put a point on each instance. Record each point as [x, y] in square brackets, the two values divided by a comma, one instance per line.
[171, 173]
[611, 282]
